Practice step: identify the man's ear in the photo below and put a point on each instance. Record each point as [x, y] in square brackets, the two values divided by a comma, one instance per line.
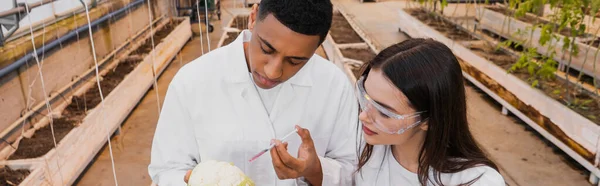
[252, 18]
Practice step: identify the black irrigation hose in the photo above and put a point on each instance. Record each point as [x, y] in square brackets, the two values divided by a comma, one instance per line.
[3, 140]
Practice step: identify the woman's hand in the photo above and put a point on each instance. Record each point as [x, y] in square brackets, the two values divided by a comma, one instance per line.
[307, 164]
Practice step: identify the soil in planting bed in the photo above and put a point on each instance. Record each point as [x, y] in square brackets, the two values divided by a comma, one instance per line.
[158, 37]
[91, 98]
[446, 28]
[594, 43]
[364, 55]
[42, 141]
[584, 78]
[581, 102]
[342, 32]
[492, 54]
[10, 177]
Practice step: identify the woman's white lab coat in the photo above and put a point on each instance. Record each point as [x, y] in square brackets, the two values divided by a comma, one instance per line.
[213, 112]
[383, 170]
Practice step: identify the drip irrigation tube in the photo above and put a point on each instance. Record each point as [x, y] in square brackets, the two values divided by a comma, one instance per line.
[20, 62]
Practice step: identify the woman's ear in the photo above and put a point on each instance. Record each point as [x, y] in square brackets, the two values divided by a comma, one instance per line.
[424, 126]
[252, 17]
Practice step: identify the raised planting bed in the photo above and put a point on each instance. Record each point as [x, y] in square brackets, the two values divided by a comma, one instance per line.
[498, 20]
[341, 31]
[86, 122]
[19, 174]
[361, 55]
[42, 140]
[36, 117]
[233, 29]
[87, 98]
[567, 128]
[347, 46]
[335, 56]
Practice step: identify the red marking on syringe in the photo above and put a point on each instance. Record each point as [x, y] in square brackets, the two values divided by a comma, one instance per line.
[272, 145]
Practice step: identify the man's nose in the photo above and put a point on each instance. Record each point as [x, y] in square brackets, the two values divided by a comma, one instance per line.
[274, 68]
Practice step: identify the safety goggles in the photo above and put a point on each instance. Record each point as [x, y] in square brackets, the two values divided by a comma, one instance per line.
[384, 119]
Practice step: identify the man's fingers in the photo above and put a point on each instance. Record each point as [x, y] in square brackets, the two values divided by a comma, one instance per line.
[288, 160]
[285, 145]
[186, 178]
[278, 153]
[304, 135]
[282, 170]
[274, 156]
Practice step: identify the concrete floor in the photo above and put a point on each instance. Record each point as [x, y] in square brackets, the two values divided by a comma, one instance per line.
[524, 159]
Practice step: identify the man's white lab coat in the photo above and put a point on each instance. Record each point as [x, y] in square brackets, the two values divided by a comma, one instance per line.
[213, 112]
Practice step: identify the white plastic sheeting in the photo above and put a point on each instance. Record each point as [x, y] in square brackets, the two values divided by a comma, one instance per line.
[43, 14]
[66, 7]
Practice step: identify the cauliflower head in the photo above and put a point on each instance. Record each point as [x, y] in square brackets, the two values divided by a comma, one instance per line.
[216, 173]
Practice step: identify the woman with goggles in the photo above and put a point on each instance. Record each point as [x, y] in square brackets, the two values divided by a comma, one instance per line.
[414, 120]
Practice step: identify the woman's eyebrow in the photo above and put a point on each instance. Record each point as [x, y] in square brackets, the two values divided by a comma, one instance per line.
[386, 106]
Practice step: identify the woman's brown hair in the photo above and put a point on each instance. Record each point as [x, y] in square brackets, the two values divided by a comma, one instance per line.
[429, 74]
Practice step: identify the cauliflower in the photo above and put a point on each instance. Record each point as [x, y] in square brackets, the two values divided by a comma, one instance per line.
[216, 173]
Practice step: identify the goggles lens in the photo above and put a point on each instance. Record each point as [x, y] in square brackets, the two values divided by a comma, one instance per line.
[384, 119]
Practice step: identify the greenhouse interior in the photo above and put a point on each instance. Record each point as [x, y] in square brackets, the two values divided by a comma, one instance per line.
[299, 92]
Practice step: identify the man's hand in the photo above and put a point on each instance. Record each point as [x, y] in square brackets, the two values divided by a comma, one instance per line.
[307, 164]
[186, 178]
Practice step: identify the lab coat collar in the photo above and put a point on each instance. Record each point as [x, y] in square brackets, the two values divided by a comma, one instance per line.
[239, 69]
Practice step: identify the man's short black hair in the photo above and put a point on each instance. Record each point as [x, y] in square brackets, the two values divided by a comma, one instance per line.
[308, 17]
